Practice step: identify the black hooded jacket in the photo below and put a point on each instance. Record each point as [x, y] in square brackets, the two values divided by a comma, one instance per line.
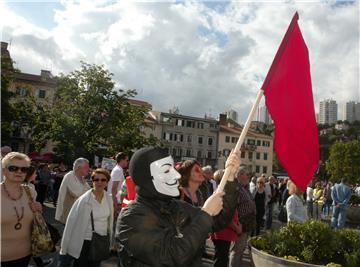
[158, 230]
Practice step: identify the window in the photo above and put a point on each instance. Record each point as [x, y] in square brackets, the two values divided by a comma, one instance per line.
[257, 169]
[211, 125]
[251, 142]
[266, 143]
[42, 93]
[189, 138]
[200, 140]
[179, 122]
[242, 154]
[181, 137]
[210, 141]
[250, 167]
[227, 139]
[179, 152]
[188, 152]
[264, 169]
[200, 125]
[190, 124]
[265, 156]
[174, 152]
[22, 91]
[250, 155]
[258, 142]
[226, 152]
[175, 137]
[199, 154]
[171, 136]
[257, 155]
[166, 119]
[234, 139]
[166, 136]
[209, 155]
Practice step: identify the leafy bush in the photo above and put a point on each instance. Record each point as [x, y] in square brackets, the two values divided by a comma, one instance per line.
[312, 242]
[354, 200]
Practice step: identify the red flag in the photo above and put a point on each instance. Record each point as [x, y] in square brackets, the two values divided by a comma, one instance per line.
[289, 99]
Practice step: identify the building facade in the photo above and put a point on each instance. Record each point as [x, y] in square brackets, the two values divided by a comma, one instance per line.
[256, 151]
[42, 88]
[352, 111]
[328, 112]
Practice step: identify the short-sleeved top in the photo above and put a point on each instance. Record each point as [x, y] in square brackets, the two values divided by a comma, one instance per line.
[117, 175]
[15, 244]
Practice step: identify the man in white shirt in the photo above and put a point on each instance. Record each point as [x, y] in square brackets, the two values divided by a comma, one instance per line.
[72, 187]
[309, 200]
[117, 178]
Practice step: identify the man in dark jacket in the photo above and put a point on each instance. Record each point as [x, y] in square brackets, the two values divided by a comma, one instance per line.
[156, 229]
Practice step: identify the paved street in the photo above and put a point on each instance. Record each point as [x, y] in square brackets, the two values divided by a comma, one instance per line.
[49, 213]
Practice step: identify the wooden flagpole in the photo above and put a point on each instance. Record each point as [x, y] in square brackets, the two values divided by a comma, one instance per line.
[242, 137]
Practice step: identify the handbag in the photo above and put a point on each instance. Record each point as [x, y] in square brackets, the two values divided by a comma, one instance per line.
[282, 217]
[99, 245]
[41, 242]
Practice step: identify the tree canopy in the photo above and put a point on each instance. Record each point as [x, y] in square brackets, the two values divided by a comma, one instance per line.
[344, 161]
[90, 117]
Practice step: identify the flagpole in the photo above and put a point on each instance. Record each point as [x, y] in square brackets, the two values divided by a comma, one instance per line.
[242, 137]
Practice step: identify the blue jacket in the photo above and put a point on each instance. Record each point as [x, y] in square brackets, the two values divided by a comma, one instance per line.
[341, 194]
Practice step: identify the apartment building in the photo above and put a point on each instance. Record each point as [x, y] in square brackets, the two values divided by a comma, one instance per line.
[256, 151]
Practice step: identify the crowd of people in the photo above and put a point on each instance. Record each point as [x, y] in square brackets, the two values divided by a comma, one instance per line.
[166, 220]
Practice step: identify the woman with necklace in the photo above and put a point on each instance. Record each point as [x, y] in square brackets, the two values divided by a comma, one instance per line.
[16, 212]
[78, 231]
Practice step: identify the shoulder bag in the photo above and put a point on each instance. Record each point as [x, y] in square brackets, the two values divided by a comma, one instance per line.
[41, 242]
[100, 244]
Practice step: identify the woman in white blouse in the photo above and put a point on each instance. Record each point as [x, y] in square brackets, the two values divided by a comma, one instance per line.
[295, 204]
[77, 234]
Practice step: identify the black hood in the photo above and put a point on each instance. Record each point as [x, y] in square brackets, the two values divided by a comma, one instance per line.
[139, 169]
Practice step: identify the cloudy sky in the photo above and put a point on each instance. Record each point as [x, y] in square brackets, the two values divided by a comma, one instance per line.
[203, 57]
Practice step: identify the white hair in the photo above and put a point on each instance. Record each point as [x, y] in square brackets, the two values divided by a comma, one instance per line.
[207, 168]
[79, 162]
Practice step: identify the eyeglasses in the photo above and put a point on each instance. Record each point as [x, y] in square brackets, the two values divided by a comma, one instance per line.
[98, 179]
[16, 168]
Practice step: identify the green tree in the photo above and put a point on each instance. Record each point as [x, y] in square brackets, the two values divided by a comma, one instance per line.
[88, 116]
[344, 161]
[7, 110]
[277, 167]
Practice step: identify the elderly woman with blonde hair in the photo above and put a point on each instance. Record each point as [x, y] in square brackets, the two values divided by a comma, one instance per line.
[16, 211]
[295, 204]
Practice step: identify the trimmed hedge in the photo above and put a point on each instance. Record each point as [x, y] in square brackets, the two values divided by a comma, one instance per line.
[312, 242]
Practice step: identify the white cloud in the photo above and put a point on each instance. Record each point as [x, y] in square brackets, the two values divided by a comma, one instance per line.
[200, 58]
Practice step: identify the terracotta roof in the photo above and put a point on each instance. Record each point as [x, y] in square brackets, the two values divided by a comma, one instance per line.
[34, 78]
[140, 103]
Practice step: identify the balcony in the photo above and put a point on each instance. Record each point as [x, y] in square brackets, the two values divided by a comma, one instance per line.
[245, 147]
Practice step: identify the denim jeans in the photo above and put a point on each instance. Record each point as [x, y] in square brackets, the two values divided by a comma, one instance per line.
[339, 217]
[66, 260]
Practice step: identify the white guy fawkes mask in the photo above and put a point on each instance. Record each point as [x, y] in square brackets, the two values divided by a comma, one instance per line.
[166, 178]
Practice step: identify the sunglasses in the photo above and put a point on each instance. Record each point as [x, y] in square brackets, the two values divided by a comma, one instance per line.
[98, 179]
[16, 168]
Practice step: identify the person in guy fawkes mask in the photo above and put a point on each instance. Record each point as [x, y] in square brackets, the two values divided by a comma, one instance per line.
[156, 229]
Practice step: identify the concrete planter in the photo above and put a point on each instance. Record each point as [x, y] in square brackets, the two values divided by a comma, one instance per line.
[353, 215]
[262, 259]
